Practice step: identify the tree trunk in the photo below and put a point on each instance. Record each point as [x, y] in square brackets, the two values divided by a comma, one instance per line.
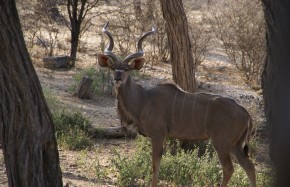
[75, 32]
[77, 10]
[179, 42]
[150, 9]
[137, 8]
[26, 127]
[84, 90]
[275, 83]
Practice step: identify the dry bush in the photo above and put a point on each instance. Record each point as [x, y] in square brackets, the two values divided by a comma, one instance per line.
[127, 27]
[152, 16]
[39, 26]
[240, 26]
[124, 31]
[123, 28]
[200, 34]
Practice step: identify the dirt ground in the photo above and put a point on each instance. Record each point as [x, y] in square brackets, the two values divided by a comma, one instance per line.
[80, 168]
[215, 75]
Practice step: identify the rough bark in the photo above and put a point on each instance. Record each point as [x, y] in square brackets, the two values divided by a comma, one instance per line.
[275, 84]
[179, 43]
[26, 127]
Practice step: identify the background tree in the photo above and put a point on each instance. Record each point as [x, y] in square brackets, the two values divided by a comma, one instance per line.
[240, 26]
[77, 12]
[41, 25]
[183, 71]
[275, 83]
[137, 8]
[26, 127]
[200, 37]
[49, 7]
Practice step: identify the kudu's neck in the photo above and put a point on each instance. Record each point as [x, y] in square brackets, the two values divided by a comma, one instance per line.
[131, 98]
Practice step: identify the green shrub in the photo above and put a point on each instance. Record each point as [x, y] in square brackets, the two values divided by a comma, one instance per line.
[186, 169]
[66, 120]
[71, 127]
[136, 169]
[51, 100]
[182, 169]
[102, 79]
[101, 172]
[72, 130]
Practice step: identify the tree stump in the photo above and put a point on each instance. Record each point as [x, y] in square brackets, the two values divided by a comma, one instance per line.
[56, 62]
[84, 90]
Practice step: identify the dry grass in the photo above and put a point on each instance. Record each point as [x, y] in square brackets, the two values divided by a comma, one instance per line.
[93, 167]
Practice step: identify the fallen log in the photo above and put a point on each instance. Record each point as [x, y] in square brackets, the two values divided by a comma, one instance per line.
[56, 62]
[112, 133]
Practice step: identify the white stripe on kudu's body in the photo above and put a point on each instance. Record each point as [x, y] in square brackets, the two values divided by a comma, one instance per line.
[167, 111]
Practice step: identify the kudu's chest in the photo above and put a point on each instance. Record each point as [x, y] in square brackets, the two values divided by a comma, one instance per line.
[129, 115]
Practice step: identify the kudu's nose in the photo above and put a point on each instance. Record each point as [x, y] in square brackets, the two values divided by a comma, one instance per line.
[118, 75]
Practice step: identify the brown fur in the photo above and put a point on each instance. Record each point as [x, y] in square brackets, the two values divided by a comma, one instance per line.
[167, 111]
[216, 104]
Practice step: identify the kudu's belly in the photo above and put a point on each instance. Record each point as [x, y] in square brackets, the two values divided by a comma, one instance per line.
[188, 129]
[188, 120]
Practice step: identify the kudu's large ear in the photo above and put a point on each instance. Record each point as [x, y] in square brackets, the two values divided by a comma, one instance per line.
[104, 60]
[137, 63]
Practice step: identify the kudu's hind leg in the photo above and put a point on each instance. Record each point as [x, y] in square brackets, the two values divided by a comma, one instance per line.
[246, 164]
[157, 148]
[226, 163]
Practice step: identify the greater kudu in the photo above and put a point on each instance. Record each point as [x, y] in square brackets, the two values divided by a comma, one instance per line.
[167, 111]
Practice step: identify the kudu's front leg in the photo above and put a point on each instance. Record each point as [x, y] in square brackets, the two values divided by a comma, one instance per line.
[157, 148]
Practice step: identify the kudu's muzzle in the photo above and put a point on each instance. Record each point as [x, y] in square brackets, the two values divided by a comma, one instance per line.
[118, 75]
